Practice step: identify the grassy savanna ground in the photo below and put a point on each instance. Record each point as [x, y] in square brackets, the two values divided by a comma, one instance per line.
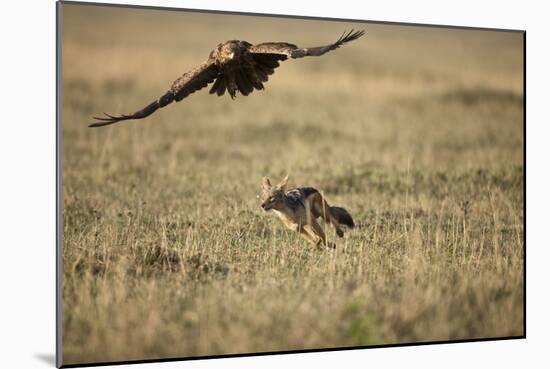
[166, 252]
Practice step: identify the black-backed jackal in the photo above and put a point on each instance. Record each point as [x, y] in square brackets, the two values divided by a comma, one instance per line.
[299, 209]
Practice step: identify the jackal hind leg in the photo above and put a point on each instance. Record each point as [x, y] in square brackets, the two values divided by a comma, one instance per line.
[322, 209]
[320, 233]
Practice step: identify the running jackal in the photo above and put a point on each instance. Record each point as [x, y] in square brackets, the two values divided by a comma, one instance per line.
[299, 209]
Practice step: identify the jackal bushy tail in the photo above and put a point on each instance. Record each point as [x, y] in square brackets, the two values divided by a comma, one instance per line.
[342, 215]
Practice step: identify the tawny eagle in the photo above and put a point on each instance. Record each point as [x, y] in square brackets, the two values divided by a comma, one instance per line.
[233, 66]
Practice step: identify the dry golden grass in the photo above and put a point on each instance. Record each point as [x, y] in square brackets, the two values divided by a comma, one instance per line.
[166, 252]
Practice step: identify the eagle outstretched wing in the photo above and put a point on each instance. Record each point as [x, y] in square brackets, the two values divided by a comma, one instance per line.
[268, 55]
[188, 83]
[285, 50]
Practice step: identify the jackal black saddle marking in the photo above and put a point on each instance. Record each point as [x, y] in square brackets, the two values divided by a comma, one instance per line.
[297, 196]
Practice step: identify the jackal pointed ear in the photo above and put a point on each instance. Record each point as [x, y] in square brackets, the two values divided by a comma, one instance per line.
[266, 183]
[283, 183]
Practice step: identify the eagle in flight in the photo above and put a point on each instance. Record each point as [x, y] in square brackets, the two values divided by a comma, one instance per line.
[232, 66]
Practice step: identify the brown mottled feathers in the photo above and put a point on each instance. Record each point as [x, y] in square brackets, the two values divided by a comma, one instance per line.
[194, 80]
[234, 66]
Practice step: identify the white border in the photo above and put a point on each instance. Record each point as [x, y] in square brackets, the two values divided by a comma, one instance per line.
[27, 187]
